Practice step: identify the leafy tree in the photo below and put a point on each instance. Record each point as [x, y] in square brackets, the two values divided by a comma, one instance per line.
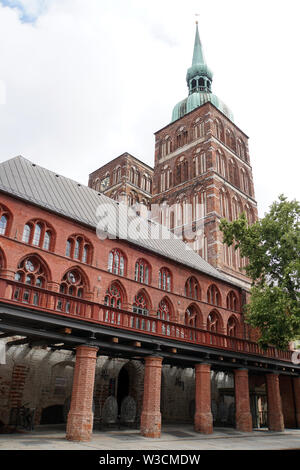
[272, 246]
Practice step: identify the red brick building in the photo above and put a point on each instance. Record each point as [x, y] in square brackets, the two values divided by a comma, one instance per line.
[109, 316]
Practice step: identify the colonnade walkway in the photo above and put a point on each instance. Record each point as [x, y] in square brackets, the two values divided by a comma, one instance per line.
[173, 437]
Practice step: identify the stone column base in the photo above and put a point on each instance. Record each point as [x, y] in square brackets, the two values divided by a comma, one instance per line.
[203, 423]
[150, 424]
[244, 422]
[79, 426]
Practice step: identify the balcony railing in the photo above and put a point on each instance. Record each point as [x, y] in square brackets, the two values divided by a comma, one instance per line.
[73, 307]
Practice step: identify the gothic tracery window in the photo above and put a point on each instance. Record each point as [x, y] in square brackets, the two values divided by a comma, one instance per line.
[78, 247]
[231, 301]
[232, 327]
[213, 295]
[213, 322]
[140, 304]
[164, 311]
[164, 279]
[38, 233]
[113, 296]
[30, 272]
[142, 271]
[192, 288]
[116, 262]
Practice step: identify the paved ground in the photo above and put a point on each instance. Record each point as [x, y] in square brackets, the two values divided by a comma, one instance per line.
[180, 437]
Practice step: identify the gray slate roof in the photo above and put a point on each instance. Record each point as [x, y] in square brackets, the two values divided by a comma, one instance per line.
[21, 178]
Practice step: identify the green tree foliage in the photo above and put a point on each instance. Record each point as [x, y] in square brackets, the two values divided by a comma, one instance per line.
[272, 246]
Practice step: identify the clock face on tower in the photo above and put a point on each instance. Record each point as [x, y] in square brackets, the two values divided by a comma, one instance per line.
[104, 183]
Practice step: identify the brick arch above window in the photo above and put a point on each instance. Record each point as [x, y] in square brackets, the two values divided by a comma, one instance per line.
[80, 248]
[232, 301]
[213, 295]
[214, 322]
[193, 316]
[32, 274]
[33, 270]
[141, 303]
[233, 327]
[142, 271]
[39, 233]
[165, 279]
[74, 282]
[115, 295]
[165, 309]
[5, 220]
[117, 262]
[192, 288]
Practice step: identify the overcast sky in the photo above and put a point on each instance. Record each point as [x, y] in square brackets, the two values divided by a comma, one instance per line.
[82, 81]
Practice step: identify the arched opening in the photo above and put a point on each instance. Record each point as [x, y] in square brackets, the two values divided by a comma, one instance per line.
[123, 387]
[53, 415]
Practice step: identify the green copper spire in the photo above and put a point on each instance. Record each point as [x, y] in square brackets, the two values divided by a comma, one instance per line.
[199, 79]
[199, 76]
[198, 57]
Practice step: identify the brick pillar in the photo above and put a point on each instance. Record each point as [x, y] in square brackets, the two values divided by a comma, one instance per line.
[80, 417]
[243, 415]
[151, 415]
[203, 417]
[275, 415]
[296, 384]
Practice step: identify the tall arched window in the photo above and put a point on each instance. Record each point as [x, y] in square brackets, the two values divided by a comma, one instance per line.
[142, 271]
[232, 301]
[78, 247]
[164, 313]
[164, 310]
[164, 279]
[38, 233]
[181, 170]
[192, 318]
[224, 207]
[47, 240]
[213, 295]
[192, 288]
[26, 233]
[113, 296]
[116, 262]
[5, 218]
[73, 286]
[232, 327]
[213, 322]
[3, 224]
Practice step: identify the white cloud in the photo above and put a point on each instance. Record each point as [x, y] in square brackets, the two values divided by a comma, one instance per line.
[87, 80]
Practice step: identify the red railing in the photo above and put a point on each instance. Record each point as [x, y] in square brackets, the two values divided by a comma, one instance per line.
[74, 307]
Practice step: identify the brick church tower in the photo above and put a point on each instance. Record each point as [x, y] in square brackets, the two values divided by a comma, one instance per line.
[202, 170]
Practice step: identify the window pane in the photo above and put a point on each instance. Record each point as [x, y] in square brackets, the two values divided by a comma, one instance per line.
[3, 224]
[68, 248]
[26, 233]
[47, 240]
[37, 235]
[76, 251]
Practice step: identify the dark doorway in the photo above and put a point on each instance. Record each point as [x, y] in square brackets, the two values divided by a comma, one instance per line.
[52, 415]
[123, 387]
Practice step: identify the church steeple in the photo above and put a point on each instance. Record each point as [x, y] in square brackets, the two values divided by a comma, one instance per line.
[199, 79]
[199, 76]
